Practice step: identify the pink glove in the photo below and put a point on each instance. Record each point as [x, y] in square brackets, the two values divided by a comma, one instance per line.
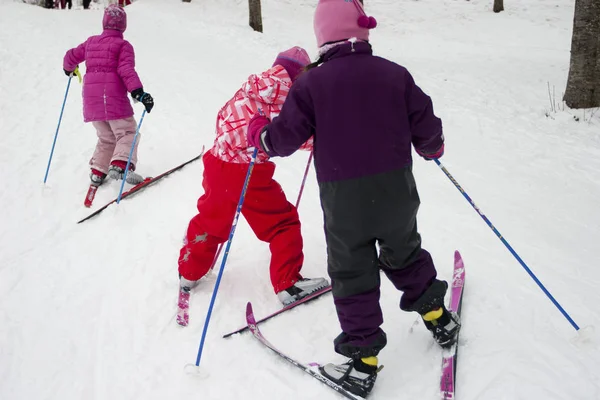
[255, 127]
[438, 154]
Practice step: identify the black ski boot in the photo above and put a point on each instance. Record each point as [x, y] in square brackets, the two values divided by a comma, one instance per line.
[356, 376]
[443, 324]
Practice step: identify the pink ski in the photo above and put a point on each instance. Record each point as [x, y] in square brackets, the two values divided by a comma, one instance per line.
[447, 384]
[183, 306]
[252, 325]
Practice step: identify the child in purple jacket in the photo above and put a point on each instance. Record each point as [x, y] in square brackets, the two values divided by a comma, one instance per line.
[110, 74]
[365, 113]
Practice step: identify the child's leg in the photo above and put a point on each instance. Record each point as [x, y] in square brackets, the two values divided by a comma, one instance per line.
[348, 211]
[409, 267]
[104, 148]
[352, 267]
[199, 249]
[212, 224]
[275, 221]
[406, 264]
[415, 276]
[124, 130]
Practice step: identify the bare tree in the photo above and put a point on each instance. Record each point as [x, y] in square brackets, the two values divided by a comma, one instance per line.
[498, 6]
[583, 85]
[255, 15]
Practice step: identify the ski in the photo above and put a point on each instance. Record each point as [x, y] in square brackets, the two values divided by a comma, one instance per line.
[91, 193]
[448, 380]
[183, 307]
[253, 327]
[304, 300]
[137, 188]
[89, 197]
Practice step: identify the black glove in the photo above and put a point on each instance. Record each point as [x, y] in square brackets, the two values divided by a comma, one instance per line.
[68, 73]
[432, 156]
[144, 98]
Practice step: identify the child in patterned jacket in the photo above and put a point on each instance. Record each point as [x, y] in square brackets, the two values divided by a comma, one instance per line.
[110, 74]
[272, 218]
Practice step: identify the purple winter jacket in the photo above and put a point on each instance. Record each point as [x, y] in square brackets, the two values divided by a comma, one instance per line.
[110, 74]
[364, 112]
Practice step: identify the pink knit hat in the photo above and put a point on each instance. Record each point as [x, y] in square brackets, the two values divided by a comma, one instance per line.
[114, 18]
[337, 20]
[293, 60]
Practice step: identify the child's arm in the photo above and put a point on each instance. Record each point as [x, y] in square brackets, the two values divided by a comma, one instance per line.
[293, 127]
[425, 127]
[126, 68]
[74, 57]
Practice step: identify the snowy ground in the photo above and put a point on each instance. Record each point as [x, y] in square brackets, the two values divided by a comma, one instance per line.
[87, 311]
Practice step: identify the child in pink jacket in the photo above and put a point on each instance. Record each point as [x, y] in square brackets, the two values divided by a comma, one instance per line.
[110, 74]
[272, 218]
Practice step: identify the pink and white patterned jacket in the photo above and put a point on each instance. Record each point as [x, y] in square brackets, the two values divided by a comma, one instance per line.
[265, 92]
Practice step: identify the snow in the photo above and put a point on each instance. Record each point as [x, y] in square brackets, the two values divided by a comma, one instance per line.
[88, 311]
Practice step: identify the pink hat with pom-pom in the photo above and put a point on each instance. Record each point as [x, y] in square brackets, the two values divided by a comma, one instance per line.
[337, 20]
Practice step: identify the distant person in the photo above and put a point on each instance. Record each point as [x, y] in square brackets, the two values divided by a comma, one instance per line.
[64, 3]
[110, 74]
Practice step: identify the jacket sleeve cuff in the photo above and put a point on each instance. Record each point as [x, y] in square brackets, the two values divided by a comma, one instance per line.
[265, 143]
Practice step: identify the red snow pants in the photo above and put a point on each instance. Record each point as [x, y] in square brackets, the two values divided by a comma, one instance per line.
[272, 218]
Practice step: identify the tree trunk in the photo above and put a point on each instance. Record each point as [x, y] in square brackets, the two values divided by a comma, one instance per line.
[583, 85]
[255, 15]
[498, 6]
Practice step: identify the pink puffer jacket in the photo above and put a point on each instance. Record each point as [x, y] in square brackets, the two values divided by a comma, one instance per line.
[110, 74]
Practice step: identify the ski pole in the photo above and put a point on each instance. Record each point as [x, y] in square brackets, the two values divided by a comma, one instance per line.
[304, 179]
[231, 233]
[57, 128]
[137, 131]
[508, 246]
[297, 205]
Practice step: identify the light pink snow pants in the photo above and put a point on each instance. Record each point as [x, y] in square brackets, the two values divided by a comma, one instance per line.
[114, 143]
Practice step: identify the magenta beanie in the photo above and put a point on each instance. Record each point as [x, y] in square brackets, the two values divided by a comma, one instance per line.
[337, 20]
[114, 18]
[293, 60]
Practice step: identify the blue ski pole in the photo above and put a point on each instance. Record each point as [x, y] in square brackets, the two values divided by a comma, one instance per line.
[57, 128]
[137, 131]
[508, 246]
[218, 282]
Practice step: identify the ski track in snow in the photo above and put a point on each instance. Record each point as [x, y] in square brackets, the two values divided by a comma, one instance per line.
[88, 311]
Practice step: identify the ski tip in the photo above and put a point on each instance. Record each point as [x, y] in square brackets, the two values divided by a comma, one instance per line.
[250, 314]
[458, 259]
